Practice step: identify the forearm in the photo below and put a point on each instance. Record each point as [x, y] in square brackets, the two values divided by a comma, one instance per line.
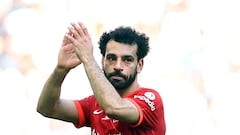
[104, 92]
[51, 91]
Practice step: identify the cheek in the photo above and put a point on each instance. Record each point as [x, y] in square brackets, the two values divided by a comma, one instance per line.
[132, 70]
[107, 68]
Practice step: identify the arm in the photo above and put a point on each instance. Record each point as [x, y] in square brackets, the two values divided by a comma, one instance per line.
[111, 102]
[49, 103]
[108, 98]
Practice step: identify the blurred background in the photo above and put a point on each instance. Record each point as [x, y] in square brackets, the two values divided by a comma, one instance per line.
[194, 61]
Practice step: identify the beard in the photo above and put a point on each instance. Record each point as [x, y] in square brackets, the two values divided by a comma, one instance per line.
[121, 84]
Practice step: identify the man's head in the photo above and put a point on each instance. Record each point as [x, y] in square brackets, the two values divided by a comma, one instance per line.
[123, 50]
[126, 35]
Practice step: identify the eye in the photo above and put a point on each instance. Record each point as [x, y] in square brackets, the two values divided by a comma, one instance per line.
[111, 57]
[128, 59]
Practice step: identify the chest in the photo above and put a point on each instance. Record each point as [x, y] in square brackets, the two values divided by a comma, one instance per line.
[102, 124]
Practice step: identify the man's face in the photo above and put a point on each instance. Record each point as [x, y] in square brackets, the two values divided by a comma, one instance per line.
[120, 64]
[122, 81]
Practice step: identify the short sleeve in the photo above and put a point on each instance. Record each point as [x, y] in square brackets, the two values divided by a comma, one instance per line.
[150, 106]
[80, 114]
[83, 107]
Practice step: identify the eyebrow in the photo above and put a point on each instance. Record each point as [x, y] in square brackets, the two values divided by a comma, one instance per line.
[127, 55]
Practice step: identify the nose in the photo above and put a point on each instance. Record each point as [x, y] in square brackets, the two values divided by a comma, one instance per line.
[118, 65]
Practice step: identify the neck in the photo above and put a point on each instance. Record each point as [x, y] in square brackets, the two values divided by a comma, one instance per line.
[129, 90]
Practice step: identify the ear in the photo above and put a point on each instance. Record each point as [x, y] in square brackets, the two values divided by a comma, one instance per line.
[102, 60]
[140, 65]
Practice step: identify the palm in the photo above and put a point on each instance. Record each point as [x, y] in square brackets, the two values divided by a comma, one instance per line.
[67, 57]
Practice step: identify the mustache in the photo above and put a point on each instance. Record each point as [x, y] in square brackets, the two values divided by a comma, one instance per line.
[117, 73]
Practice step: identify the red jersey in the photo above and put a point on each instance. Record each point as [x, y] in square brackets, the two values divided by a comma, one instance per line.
[149, 104]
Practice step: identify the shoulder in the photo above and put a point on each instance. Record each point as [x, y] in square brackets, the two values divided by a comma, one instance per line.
[87, 100]
[149, 93]
[147, 98]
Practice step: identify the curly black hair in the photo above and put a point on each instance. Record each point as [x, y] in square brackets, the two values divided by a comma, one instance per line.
[126, 35]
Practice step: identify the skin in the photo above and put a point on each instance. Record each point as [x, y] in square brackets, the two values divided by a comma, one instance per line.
[76, 49]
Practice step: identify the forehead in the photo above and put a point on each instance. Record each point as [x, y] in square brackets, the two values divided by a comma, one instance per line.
[121, 49]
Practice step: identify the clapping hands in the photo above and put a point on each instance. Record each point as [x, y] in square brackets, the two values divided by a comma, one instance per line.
[76, 47]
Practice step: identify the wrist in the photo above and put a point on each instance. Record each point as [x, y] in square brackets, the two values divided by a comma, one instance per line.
[87, 60]
[61, 70]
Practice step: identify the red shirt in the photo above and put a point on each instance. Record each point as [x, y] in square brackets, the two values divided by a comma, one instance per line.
[149, 104]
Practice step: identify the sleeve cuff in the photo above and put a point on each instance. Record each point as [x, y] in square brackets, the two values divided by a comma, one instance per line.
[140, 113]
[81, 117]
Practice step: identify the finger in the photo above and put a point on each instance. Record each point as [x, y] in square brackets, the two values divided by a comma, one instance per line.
[84, 28]
[69, 33]
[65, 40]
[69, 37]
[78, 29]
[73, 32]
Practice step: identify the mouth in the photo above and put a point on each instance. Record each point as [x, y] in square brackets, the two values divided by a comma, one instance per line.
[117, 77]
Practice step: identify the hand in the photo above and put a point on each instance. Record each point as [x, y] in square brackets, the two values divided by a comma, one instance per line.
[67, 58]
[81, 40]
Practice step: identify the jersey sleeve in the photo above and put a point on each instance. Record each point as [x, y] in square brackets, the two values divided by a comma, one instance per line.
[83, 108]
[150, 106]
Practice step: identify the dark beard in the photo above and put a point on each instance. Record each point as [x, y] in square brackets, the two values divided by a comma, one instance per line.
[121, 84]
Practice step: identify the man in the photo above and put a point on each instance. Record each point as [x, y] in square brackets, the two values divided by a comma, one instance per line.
[119, 106]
